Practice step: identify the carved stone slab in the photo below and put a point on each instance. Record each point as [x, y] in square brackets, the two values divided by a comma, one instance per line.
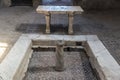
[59, 9]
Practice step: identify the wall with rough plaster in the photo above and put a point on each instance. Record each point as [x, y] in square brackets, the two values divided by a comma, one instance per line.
[99, 4]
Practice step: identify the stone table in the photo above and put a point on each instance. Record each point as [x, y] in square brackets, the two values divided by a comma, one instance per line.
[69, 10]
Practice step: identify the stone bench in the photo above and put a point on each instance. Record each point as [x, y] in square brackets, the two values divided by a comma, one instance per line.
[69, 10]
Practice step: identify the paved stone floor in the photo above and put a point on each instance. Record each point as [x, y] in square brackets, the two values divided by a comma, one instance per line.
[15, 21]
[42, 65]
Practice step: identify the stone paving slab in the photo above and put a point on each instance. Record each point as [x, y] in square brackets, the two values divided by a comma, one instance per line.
[59, 9]
[72, 38]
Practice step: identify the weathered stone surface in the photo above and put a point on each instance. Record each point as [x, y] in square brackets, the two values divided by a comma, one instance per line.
[103, 61]
[38, 37]
[60, 56]
[15, 63]
[59, 9]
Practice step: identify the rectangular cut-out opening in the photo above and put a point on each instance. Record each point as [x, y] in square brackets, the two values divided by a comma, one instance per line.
[76, 64]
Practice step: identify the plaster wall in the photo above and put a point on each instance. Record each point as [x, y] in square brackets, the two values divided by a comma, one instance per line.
[99, 4]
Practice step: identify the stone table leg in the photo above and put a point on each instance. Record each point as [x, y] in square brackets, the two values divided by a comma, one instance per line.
[59, 56]
[48, 19]
[70, 28]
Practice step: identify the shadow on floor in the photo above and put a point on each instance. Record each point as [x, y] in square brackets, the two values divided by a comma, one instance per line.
[87, 67]
[31, 28]
[40, 28]
[40, 68]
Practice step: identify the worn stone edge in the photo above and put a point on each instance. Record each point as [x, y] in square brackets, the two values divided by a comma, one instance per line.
[101, 60]
[17, 73]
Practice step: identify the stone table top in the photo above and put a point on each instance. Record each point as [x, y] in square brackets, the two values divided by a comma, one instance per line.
[59, 9]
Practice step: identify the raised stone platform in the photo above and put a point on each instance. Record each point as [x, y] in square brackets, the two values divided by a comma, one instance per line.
[15, 63]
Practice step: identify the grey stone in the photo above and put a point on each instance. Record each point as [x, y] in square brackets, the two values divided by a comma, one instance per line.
[60, 56]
